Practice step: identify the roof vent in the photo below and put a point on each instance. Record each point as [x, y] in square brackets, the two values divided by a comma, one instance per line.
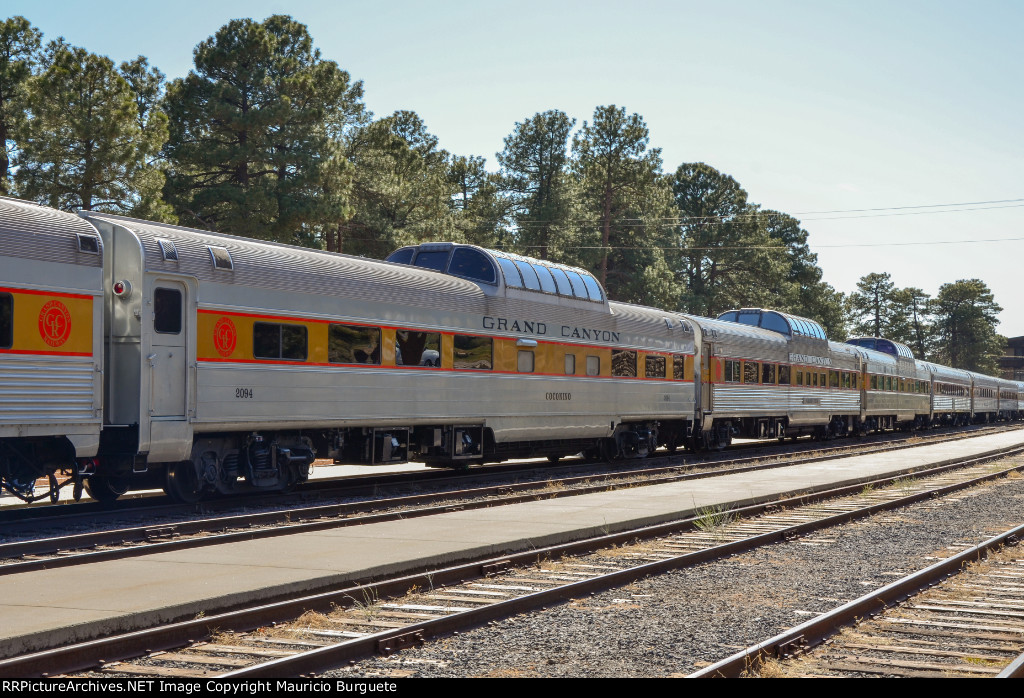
[168, 249]
[88, 243]
[221, 257]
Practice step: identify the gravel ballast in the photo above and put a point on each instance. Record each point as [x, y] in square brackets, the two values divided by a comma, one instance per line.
[676, 623]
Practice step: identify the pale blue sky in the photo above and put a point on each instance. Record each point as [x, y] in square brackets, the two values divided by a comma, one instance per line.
[811, 106]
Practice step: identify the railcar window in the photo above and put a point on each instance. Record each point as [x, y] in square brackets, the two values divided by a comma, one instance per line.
[6, 321]
[474, 352]
[823, 379]
[679, 367]
[833, 379]
[799, 377]
[768, 374]
[511, 272]
[733, 371]
[775, 323]
[529, 275]
[750, 371]
[846, 379]
[578, 289]
[624, 363]
[271, 340]
[525, 361]
[432, 260]
[471, 264]
[593, 288]
[417, 348]
[167, 311]
[783, 375]
[352, 344]
[547, 283]
[570, 364]
[564, 287]
[402, 256]
[593, 365]
[654, 366]
[853, 381]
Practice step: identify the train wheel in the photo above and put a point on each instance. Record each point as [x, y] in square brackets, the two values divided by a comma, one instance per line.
[723, 438]
[54, 489]
[105, 489]
[183, 483]
[672, 443]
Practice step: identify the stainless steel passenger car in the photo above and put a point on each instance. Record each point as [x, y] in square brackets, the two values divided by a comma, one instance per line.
[136, 354]
[1008, 398]
[51, 342]
[951, 394]
[896, 389]
[235, 361]
[772, 374]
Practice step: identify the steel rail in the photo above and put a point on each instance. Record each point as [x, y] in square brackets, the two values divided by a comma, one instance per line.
[64, 514]
[149, 532]
[815, 631]
[268, 519]
[86, 655]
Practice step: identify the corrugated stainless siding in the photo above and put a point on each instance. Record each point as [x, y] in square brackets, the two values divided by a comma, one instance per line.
[285, 268]
[46, 390]
[739, 399]
[736, 341]
[949, 403]
[29, 231]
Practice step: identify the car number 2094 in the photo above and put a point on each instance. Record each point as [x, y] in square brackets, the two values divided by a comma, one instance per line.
[243, 393]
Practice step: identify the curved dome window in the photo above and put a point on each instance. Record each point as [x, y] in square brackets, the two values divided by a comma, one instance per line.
[432, 260]
[472, 264]
[564, 287]
[402, 256]
[529, 275]
[578, 289]
[547, 284]
[481, 265]
[593, 288]
[512, 276]
[775, 323]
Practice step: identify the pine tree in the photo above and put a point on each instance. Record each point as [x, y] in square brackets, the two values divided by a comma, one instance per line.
[533, 169]
[83, 145]
[19, 48]
[255, 128]
[624, 199]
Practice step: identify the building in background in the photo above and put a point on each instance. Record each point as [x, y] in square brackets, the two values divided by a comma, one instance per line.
[1012, 365]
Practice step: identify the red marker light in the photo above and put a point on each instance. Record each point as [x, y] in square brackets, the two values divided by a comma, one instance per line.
[122, 289]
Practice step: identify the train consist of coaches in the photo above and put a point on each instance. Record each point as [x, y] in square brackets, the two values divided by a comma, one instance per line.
[136, 354]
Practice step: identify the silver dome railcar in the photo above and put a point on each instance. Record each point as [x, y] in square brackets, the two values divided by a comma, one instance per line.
[231, 362]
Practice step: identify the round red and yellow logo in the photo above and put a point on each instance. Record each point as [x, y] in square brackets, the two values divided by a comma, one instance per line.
[224, 336]
[54, 323]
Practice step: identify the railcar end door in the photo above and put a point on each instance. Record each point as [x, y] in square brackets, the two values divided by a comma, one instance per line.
[167, 356]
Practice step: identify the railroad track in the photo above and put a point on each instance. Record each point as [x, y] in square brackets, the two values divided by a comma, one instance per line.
[134, 541]
[962, 617]
[309, 635]
[16, 517]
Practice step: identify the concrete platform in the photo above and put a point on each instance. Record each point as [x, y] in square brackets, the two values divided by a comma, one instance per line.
[42, 609]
